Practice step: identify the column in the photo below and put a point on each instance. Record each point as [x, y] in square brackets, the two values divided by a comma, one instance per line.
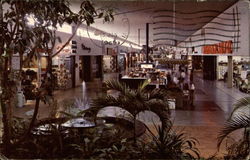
[77, 70]
[230, 72]
[147, 41]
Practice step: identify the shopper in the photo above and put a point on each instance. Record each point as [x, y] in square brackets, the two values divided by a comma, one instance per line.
[191, 91]
[185, 89]
[182, 76]
[175, 80]
[192, 75]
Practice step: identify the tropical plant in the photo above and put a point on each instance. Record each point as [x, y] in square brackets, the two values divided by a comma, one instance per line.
[49, 139]
[42, 143]
[134, 101]
[239, 119]
[17, 36]
[170, 144]
[165, 144]
[124, 149]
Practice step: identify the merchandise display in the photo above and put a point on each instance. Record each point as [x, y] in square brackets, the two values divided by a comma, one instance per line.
[241, 74]
[29, 83]
[222, 69]
[63, 77]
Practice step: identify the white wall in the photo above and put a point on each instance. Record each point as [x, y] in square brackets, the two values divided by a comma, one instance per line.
[97, 48]
[243, 9]
[82, 40]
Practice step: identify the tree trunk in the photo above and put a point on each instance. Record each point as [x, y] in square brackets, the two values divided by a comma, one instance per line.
[4, 90]
[4, 107]
[32, 122]
[6, 131]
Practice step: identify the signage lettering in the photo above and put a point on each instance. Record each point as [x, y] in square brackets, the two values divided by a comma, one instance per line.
[219, 48]
[86, 48]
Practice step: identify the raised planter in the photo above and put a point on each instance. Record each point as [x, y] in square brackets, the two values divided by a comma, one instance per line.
[125, 124]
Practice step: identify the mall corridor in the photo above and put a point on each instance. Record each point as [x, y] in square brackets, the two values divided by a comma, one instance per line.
[212, 105]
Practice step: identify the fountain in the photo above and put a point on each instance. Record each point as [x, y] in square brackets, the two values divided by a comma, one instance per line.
[83, 90]
[83, 103]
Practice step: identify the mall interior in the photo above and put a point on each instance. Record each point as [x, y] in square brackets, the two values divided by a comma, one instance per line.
[195, 52]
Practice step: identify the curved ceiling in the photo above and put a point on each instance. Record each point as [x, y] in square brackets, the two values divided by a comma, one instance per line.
[180, 17]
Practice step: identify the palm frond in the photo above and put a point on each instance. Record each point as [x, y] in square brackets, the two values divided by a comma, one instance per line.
[239, 121]
[170, 144]
[143, 85]
[105, 101]
[122, 88]
[69, 115]
[129, 104]
[81, 113]
[156, 105]
[118, 86]
[157, 94]
[243, 103]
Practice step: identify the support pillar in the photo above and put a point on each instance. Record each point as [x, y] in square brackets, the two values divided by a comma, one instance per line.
[77, 70]
[147, 39]
[230, 72]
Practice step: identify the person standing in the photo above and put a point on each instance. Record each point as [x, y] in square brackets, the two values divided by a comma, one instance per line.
[183, 75]
[192, 88]
[192, 75]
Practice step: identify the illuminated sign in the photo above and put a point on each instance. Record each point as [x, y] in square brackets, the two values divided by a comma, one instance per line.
[147, 65]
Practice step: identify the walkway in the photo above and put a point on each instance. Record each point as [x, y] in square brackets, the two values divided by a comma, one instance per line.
[213, 103]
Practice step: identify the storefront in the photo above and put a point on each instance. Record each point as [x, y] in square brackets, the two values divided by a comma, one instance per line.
[224, 49]
[32, 74]
[79, 61]
[241, 71]
[110, 59]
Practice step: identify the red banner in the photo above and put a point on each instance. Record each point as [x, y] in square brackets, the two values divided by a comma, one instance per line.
[219, 48]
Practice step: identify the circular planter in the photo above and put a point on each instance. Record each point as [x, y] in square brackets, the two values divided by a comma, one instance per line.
[126, 126]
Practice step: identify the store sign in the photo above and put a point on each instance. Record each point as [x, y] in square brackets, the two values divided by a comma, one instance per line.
[85, 48]
[219, 48]
[147, 65]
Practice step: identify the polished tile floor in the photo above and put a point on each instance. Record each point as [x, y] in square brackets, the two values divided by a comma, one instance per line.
[212, 106]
